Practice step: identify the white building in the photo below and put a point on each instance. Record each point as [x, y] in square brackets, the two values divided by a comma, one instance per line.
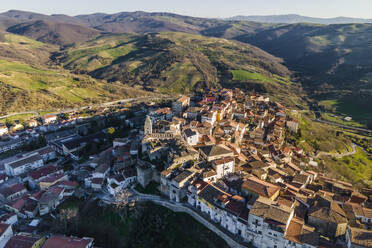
[191, 137]
[47, 119]
[224, 166]
[222, 208]
[101, 171]
[267, 223]
[24, 164]
[121, 181]
[6, 232]
[363, 214]
[210, 117]
[3, 130]
[358, 238]
[292, 126]
[179, 105]
[50, 200]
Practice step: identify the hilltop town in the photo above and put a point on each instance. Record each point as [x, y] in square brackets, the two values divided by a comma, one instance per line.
[221, 157]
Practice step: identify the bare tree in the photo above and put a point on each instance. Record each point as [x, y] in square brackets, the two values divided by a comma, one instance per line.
[67, 216]
[121, 203]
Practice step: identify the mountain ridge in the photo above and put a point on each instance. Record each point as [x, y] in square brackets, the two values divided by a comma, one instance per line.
[294, 18]
[332, 62]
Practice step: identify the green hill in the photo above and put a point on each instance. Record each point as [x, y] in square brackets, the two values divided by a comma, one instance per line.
[333, 62]
[29, 82]
[180, 63]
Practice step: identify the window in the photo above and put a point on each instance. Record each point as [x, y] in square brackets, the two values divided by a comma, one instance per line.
[275, 235]
[270, 233]
[259, 232]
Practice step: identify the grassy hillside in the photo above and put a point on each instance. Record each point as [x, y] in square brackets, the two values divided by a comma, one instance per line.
[356, 168]
[332, 61]
[23, 49]
[179, 63]
[23, 87]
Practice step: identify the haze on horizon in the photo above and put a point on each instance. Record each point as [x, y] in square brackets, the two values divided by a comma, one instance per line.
[205, 8]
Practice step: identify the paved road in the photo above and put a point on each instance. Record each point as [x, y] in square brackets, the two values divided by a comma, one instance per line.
[19, 113]
[106, 104]
[344, 126]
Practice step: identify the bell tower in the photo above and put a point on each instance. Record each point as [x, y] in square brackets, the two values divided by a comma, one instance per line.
[148, 126]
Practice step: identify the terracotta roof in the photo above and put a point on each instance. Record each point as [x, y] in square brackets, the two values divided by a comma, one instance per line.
[67, 242]
[183, 99]
[215, 150]
[223, 160]
[361, 211]
[53, 178]
[163, 111]
[285, 201]
[326, 209]
[361, 237]
[12, 189]
[260, 187]
[22, 240]
[199, 184]
[44, 171]
[357, 197]
[235, 207]
[270, 210]
[298, 232]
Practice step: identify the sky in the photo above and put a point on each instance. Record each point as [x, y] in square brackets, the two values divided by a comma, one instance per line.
[199, 8]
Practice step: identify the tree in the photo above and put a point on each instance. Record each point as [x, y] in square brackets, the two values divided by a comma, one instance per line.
[121, 204]
[8, 122]
[64, 116]
[111, 130]
[69, 216]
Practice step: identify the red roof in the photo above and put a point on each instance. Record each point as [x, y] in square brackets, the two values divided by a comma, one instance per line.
[163, 111]
[22, 240]
[67, 242]
[38, 194]
[260, 187]
[53, 178]
[44, 171]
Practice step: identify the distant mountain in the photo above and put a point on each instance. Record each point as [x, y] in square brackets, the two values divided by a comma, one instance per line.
[291, 19]
[144, 22]
[54, 32]
[26, 16]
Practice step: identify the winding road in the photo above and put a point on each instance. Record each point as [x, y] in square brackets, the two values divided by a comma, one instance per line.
[344, 126]
[338, 155]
